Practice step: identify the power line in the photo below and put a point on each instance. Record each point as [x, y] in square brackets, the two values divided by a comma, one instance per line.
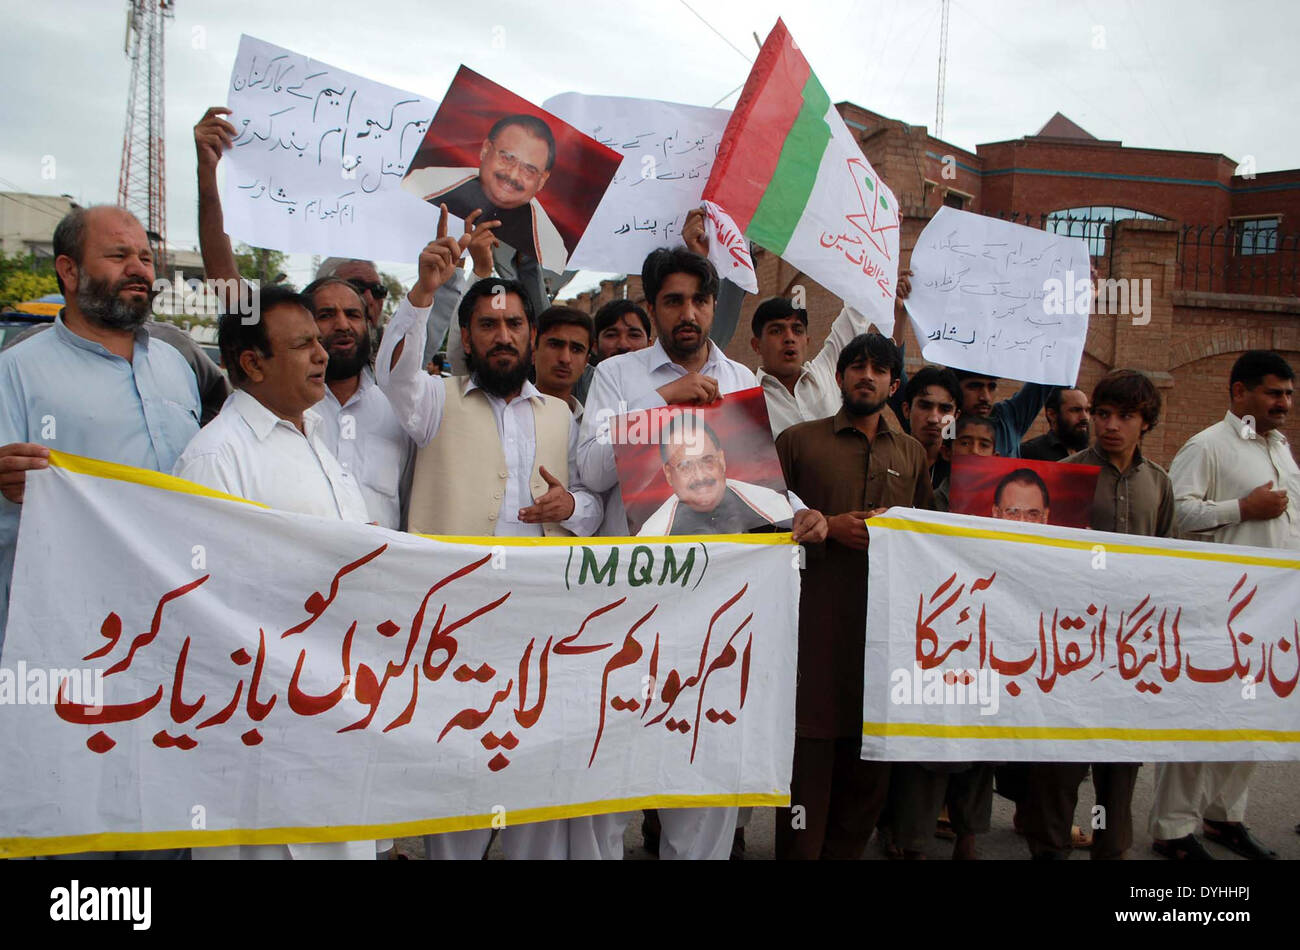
[748, 59]
[15, 200]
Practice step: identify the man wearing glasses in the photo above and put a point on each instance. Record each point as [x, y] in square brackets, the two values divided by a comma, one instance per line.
[704, 499]
[515, 162]
[364, 279]
[1022, 496]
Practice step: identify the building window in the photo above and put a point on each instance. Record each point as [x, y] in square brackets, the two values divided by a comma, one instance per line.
[1090, 223]
[954, 199]
[1257, 236]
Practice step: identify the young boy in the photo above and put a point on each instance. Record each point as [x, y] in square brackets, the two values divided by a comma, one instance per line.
[1133, 496]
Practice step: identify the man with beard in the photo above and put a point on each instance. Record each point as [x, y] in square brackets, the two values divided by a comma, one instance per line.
[96, 384]
[364, 278]
[683, 367]
[495, 457]
[1068, 427]
[852, 465]
[359, 426]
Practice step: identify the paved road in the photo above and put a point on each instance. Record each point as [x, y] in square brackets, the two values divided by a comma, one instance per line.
[1272, 816]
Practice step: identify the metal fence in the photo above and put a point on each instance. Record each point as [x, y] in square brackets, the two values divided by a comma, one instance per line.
[1239, 258]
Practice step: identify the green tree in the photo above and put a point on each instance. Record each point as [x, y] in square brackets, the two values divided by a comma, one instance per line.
[23, 277]
[260, 263]
[395, 292]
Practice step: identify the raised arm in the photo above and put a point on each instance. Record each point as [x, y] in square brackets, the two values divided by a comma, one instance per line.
[212, 136]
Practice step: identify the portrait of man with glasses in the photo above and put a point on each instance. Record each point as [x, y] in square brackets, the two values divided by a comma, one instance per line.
[704, 500]
[515, 161]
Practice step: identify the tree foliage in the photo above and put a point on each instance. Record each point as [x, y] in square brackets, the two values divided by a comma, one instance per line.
[24, 277]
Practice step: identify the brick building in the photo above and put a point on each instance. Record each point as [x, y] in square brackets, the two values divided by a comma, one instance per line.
[1220, 250]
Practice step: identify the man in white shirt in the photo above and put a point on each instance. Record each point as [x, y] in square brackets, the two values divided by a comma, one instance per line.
[682, 367]
[455, 423]
[359, 427]
[265, 445]
[799, 390]
[1234, 483]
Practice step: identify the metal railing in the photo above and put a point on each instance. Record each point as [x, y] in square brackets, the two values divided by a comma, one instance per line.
[1239, 258]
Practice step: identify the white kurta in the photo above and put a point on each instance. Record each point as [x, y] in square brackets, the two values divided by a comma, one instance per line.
[816, 395]
[249, 451]
[370, 444]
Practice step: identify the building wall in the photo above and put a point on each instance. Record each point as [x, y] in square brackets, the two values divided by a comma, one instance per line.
[27, 222]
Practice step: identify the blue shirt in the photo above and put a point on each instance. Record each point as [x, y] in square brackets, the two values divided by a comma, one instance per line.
[63, 391]
[1012, 417]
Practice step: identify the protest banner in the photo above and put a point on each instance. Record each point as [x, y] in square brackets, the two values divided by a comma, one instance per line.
[999, 641]
[1000, 298]
[794, 180]
[667, 150]
[493, 151]
[269, 677]
[319, 157]
[1023, 490]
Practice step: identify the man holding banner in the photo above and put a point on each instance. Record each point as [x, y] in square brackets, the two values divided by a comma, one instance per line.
[1133, 496]
[96, 384]
[492, 428]
[682, 367]
[852, 465]
[266, 446]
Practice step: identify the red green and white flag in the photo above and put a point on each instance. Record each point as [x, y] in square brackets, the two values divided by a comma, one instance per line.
[794, 180]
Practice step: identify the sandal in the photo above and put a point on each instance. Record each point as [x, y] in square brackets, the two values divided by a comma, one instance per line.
[1079, 838]
[943, 827]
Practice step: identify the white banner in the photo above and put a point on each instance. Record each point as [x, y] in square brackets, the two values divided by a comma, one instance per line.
[1002, 641]
[193, 670]
[317, 165]
[668, 151]
[1000, 298]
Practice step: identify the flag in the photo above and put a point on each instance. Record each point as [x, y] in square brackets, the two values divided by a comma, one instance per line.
[794, 180]
[728, 250]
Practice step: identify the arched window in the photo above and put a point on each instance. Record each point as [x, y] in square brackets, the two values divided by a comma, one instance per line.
[1090, 223]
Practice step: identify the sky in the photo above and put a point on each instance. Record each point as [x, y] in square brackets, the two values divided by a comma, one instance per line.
[1197, 75]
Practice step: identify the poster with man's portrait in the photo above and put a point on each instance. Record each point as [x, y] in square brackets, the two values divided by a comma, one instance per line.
[1023, 490]
[490, 150]
[689, 470]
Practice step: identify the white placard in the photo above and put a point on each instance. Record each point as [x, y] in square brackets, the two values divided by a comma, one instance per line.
[668, 151]
[317, 165]
[1000, 298]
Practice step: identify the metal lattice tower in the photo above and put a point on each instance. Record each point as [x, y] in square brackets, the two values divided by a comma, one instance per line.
[141, 186]
[943, 69]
